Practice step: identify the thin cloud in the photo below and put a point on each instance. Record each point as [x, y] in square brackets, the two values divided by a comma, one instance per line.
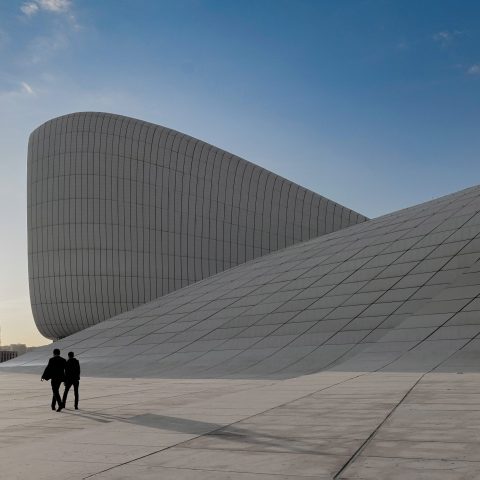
[29, 8]
[474, 69]
[55, 5]
[35, 6]
[57, 34]
[63, 8]
[442, 36]
[445, 37]
[27, 88]
[43, 48]
[23, 89]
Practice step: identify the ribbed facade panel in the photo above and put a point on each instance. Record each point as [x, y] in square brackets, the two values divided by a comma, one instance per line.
[400, 293]
[121, 212]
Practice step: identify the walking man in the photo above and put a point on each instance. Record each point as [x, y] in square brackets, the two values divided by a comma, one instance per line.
[55, 372]
[72, 377]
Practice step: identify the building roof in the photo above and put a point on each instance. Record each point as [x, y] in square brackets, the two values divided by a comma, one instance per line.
[400, 292]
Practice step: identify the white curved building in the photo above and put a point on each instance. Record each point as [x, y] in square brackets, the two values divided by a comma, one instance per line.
[121, 212]
[398, 293]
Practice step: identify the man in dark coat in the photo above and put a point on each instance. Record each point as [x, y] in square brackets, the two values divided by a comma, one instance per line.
[55, 372]
[72, 377]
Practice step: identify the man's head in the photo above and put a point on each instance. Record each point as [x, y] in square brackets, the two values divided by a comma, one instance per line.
[70, 355]
[56, 352]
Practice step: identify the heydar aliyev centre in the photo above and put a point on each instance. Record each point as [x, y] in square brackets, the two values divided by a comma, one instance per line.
[122, 212]
[152, 253]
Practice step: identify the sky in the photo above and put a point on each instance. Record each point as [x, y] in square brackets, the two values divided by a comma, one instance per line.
[374, 104]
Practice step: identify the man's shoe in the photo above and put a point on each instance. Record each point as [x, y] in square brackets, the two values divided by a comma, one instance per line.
[53, 407]
[59, 409]
[76, 408]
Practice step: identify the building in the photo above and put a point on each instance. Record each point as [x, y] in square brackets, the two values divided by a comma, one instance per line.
[122, 212]
[6, 355]
[20, 348]
[155, 254]
[397, 293]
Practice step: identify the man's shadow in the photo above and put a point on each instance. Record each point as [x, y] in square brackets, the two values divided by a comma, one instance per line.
[209, 430]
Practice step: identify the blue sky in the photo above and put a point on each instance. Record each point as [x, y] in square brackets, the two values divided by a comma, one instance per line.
[375, 104]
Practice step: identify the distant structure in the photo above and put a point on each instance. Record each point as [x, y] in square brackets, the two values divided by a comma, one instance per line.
[121, 212]
[20, 348]
[6, 355]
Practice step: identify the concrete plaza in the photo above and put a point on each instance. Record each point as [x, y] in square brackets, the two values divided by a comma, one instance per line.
[325, 426]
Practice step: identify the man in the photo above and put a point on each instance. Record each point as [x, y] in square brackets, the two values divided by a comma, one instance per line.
[55, 372]
[72, 377]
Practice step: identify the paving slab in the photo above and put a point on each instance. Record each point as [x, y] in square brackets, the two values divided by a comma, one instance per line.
[127, 472]
[330, 425]
[414, 469]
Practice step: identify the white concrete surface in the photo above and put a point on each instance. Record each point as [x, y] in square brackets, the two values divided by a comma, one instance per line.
[323, 426]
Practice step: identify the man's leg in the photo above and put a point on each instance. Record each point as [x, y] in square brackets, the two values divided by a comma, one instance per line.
[54, 401]
[55, 387]
[75, 390]
[65, 392]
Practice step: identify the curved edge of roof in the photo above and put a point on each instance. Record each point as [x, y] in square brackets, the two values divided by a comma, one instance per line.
[187, 136]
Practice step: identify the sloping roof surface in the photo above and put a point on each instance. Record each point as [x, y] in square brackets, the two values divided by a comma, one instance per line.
[400, 292]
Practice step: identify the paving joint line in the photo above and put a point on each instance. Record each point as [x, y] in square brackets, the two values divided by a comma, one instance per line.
[443, 459]
[322, 477]
[362, 447]
[223, 427]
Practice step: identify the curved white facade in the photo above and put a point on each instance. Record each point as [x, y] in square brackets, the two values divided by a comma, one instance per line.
[121, 212]
[398, 293]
